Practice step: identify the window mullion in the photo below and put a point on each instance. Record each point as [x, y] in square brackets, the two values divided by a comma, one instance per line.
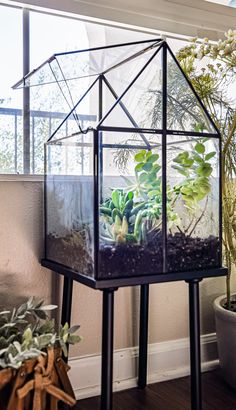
[26, 93]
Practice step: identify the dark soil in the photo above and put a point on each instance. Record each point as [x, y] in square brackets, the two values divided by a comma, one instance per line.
[187, 253]
[70, 251]
[231, 307]
[123, 260]
[130, 259]
[183, 254]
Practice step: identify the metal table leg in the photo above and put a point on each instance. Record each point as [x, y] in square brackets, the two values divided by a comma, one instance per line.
[67, 300]
[66, 304]
[107, 348]
[195, 348]
[143, 336]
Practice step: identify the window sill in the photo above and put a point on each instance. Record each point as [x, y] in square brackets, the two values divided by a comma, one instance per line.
[21, 178]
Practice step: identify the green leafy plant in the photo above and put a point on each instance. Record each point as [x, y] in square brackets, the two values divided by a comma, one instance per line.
[211, 68]
[131, 214]
[26, 332]
[197, 170]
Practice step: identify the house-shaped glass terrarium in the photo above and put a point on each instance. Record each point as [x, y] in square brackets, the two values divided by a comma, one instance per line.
[132, 184]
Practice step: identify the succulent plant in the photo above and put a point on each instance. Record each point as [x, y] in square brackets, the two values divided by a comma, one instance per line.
[127, 213]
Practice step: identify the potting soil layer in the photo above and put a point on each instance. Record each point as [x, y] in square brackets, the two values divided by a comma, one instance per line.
[184, 253]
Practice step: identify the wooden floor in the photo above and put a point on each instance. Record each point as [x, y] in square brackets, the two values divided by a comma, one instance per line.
[171, 395]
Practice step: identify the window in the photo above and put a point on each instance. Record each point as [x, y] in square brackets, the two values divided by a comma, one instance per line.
[22, 142]
[11, 135]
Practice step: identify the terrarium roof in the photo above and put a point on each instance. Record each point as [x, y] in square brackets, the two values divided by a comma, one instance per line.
[92, 62]
[137, 87]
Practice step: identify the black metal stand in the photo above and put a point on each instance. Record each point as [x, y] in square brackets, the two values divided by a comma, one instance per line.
[108, 332]
[107, 349]
[66, 305]
[67, 300]
[143, 336]
[195, 348]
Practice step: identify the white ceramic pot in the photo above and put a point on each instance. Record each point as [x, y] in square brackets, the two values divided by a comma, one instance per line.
[226, 340]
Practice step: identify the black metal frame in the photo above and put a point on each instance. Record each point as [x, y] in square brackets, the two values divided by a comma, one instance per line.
[108, 286]
[98, 146]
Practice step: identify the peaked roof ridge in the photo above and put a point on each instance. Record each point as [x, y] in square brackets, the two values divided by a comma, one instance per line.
[131, 83]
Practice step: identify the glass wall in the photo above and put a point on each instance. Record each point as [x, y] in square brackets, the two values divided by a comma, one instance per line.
[192, 203]
[69, 203]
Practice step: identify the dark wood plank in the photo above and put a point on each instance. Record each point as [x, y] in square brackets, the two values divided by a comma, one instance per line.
[171, 395]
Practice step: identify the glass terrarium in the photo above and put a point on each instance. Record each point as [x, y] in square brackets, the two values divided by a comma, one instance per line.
[132, 173]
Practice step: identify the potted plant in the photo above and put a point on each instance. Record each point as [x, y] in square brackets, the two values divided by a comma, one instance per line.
[33, 374]
[211, 68]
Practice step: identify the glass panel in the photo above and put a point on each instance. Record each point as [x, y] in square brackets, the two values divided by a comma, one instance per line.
[83, 116]
[69, 203]
[141, 106]
[130, 235]
[184, 112]
[193, 203]
[84, 63]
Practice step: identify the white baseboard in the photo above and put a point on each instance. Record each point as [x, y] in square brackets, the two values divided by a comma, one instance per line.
[166, 360]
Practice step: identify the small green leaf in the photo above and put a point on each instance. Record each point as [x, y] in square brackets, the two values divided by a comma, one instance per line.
[105, 211]
[140, 157]
[129, 196]
[147, 167]
[139, 167]
[188, 162]
[65, 327]
[153, 158]
[210, 155]
[48, 307]
[181, 157]
[72, 339]
[115, 196]
[44, 340]
[27, 335]
[198, 159]
[200, 148]
[156, 168]
[204, 170]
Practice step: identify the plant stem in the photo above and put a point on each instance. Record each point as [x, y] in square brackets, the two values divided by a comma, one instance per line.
[200, 217]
